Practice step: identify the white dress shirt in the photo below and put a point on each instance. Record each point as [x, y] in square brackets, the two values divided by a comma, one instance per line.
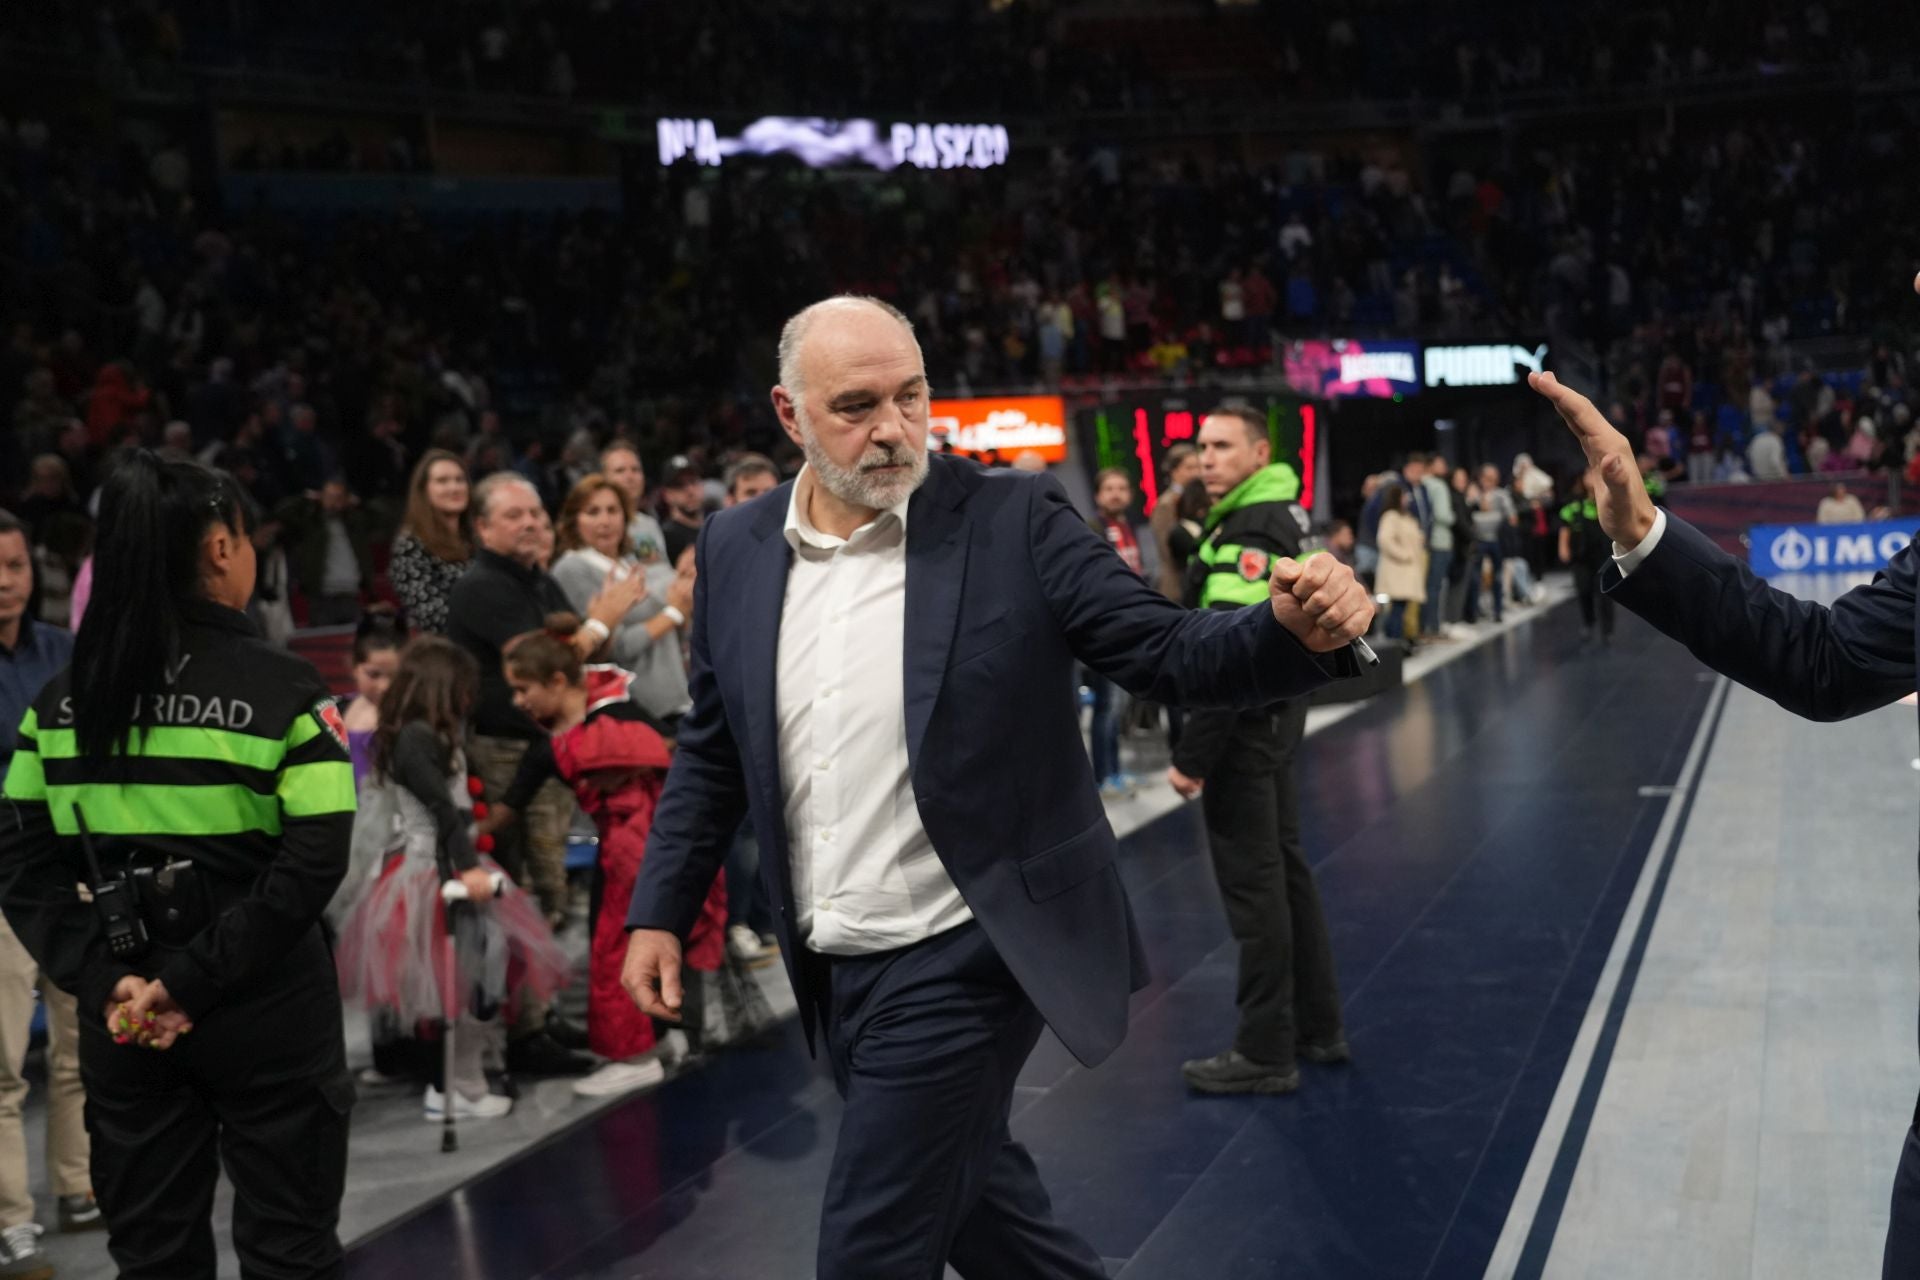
[865, 876]
[1628, 561]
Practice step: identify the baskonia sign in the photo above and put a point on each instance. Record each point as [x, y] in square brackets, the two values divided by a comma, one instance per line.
[824, 144]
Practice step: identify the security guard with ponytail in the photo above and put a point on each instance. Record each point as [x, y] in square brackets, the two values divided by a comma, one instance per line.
[197, 783]
[1240, 764]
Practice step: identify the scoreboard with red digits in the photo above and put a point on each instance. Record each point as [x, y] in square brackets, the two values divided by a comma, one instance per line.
[1134, 433]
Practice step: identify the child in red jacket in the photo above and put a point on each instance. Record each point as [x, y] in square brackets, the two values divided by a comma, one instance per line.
[615, 758]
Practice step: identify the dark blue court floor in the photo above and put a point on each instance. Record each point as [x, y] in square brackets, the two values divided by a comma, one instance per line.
[1477, 837]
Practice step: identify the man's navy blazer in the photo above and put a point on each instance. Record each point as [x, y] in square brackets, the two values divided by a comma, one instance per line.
[1822, 663]
[1007, 588]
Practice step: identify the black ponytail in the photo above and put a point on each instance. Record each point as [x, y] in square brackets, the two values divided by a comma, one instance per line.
[154, 514]
[381, 627]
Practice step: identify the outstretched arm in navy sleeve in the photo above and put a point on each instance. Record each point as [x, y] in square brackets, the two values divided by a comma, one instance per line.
[1121, 627]
[1822, 663]
[1819, 662]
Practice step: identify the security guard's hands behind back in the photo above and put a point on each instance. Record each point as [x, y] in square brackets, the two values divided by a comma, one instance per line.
[1320, 601]
[1188, 788]
[146, 1006]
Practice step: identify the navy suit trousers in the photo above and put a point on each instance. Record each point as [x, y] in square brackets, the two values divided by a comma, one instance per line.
[926, 1044]
[1903, 1229]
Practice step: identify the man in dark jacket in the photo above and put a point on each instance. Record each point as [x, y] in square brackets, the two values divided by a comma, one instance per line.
[1240, 763]
[328, 544]
[1821, 662]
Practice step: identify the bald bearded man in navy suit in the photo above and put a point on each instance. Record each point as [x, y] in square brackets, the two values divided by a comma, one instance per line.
[883, 675]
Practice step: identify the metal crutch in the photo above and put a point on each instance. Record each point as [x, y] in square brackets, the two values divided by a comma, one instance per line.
[455, 899]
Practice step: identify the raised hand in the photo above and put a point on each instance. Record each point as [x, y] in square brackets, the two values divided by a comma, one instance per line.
[1626, 512]
[1320, 601]
[617, 595]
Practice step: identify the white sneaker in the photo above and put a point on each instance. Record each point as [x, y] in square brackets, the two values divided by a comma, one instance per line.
[620, 1077]
[744, 943]
[24, 1255]
[491, 1107]
[672, 1048]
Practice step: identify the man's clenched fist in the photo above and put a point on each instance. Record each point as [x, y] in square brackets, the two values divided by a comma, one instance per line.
[1320, 601]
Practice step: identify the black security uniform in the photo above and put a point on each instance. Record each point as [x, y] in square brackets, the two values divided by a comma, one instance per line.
[1589, 550]
[1287, 992]
[242, 770]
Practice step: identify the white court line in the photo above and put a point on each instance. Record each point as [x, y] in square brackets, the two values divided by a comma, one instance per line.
[1546, 1147]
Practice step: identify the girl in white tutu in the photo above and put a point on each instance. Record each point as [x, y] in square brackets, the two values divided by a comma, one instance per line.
[393, 952]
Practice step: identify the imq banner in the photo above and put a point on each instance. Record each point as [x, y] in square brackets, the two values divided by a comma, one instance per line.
[1828, 548]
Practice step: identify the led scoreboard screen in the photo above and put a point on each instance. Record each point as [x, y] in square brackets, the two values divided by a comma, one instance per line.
[1135, 434]
[1001, 427]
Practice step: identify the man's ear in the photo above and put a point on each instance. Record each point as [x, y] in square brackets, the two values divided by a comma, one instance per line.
[785, 409]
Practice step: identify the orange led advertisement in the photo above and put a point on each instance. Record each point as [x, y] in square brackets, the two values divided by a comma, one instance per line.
[1007, 426]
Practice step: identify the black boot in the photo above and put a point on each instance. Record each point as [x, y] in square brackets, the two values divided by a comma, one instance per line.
[1234, 1072]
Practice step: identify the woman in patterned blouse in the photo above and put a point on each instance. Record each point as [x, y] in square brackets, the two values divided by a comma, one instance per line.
[435, 543]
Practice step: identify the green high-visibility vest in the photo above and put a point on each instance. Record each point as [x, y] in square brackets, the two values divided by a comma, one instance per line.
[242, 744]
[1235, 568]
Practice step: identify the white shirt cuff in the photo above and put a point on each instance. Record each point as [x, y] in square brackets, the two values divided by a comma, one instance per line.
[1628, 561]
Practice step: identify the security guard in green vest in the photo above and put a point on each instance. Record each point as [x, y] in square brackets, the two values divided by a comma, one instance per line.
[197, 783]
[1240, 764]
[1585, 548]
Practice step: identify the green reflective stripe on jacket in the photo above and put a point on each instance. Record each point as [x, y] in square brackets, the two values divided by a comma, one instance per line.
[26, 780]
[303, 730]
[1224, 582]
[176, 742]
[1575, 512]
[221, 809]
[311, 790]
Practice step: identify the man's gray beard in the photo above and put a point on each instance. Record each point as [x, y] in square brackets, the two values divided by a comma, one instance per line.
[859, 488]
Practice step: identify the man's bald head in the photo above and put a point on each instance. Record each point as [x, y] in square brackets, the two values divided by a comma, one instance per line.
[849, 318]
[853, 395]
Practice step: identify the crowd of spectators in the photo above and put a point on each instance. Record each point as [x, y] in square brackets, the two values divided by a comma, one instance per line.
[319, 356]
[1449, 547]
[1009, 57]
[317, 359]
[1712, 245]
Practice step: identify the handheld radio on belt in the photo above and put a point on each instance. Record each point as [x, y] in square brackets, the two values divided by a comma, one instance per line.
[120, 917]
